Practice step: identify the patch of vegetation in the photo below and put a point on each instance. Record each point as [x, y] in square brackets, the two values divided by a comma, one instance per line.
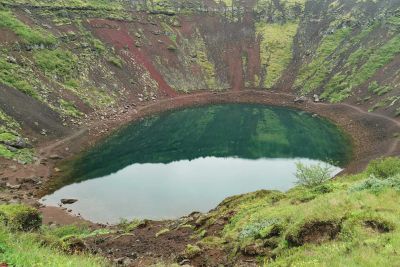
[192, 251]
[129, 226]
[94, 4]
[314, 175]
[14, 76]
[58, 63]
[384, 168]
[9, 132]
[279, 11]
[375, 88]
[207, 67]
[313, 74]
[162, 232]
[20, 217]
[276, 48]
[116, 61]
[341, 86]
[31, 36]
[69, 109]
[344, 218]
[25, 242]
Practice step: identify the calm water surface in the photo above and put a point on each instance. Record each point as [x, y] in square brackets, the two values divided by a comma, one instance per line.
[169, 165]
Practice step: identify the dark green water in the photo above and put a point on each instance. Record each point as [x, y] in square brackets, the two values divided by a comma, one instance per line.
[193, 150]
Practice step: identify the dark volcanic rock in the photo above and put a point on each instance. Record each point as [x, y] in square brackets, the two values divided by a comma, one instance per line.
[68, 201]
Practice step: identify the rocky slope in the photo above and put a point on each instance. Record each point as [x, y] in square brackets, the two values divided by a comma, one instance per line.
[63, 61]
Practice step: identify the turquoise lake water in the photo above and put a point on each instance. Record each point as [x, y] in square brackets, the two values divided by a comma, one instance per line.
[169, 165]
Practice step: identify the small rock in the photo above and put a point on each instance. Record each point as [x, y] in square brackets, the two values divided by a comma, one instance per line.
[57, 170]
[316, 98]
[68, 201]
[13, 186]
[55, 156]
[11, 59]
[300, 99]
[184, 262]
[124, 261]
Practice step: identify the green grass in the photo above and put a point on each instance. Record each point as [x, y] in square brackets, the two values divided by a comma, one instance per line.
[363, 208]
[98, 4]
[375, 88]
[14, 76]
[25, 242]
[69, 109]
[58, 63]
[313, 74]
[116, 61]
[32, 36]
[26, 249]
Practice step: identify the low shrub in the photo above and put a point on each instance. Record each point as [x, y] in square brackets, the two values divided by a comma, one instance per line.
[313, 175]
[384, 167]
[376, 185]
[20, 217]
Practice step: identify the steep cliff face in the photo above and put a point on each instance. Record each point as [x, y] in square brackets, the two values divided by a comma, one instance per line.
[63, 60]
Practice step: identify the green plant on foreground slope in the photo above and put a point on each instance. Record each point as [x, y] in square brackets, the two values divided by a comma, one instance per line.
[347, 221]
[313, 175]
[41, 246]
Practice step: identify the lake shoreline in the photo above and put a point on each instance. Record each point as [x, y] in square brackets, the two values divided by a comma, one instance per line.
[372, 135]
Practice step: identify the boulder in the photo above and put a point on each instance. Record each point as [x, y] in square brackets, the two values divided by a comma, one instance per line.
[300, 99]
[68, 201]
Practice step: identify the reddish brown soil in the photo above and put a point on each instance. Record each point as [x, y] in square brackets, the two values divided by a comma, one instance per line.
[117, 34]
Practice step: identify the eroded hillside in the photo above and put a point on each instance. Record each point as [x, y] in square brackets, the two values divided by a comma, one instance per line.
[62, 61]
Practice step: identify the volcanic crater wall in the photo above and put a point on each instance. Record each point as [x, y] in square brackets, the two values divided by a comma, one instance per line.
[98, 57]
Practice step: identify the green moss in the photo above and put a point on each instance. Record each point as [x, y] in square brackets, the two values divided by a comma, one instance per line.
[275, 49]
[32, 36]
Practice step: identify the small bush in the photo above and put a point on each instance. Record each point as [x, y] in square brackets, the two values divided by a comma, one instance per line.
[20, 217]
[314, 175]
[257, 229]
[384, 168]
